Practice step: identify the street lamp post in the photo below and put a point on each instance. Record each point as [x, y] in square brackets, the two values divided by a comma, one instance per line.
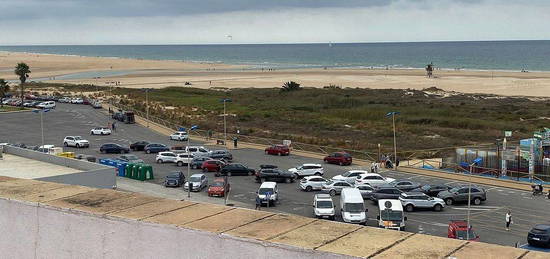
[189, 186]
[477, 160]
[392, 114]
[225, 100]
[41, 122]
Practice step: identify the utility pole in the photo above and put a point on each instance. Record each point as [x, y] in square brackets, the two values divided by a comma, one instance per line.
[147, 104]
[394, 142]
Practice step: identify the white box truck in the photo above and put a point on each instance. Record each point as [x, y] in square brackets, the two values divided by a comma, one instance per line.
[391, 214]
[352, 206]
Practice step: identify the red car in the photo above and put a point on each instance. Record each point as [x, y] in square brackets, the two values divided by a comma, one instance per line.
[219, 188]
[212, 165]
[280, 150]
[339, 158]
[458, 230]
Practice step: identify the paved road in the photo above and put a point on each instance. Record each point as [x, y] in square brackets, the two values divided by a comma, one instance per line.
[487, 219]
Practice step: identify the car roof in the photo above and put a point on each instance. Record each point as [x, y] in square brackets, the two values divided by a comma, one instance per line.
[542, 226]
[359, 171]
[268, 185]
[323, 196]
[312, 177]
[318, 165]
[197, 175]
[368, 174]
[405, 194]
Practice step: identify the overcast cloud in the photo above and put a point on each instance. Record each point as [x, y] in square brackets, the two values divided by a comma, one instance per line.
[268, 21]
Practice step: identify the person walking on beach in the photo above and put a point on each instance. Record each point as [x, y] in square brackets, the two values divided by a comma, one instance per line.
[508, 220]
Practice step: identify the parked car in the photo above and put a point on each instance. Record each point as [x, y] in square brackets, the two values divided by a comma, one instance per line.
[96, 104]
[235, 169]
[432, 189]
[174, 179]
[130, 159]
[197, 150]
[335, 187]
[166, 157]
[310, 183]
[539, 235]
[280, 150]
[307, 169]
[46, 105]
[64, 100]
[75, 141]
[352, 207]
[100, 131]
[323, 207]
[266, 166]
[365, 190]
[404, 185]
[183, 159]
[197, 162]
[373, 179]
[385, 193]
[113, 148]
[349, 176]
[218, 188]
[339, 158]
[413, 200]
[179, 135]
[212, 165]
[268, 193]
[458, 229]
[155, 148]
[138, 146]
[274, 175]
[77, 101]
[221, 155]
[198, 181]
[460, 194]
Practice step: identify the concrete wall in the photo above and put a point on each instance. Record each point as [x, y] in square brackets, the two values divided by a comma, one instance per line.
[37, 231]
[102, 178]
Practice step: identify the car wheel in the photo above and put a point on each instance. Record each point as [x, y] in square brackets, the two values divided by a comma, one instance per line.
[409, 207]
[204, 169]
[65, 144]
[449, 201]
[341, 164]
[309, 188]
[262, 180]
[229, 174]
[159, 161]
[317, 174]
[179, 163]
[279, 154]
[102, 151]
[332, 193]
[148, 151]
[267, 153]
[438, 207]
[477, 201]
[193, 166]
[297, 176]
[324, 160]
[77, 145]
[288, 180]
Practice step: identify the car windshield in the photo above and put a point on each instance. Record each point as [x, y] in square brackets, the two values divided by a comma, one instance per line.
[463, 234]
[263, 191]
[346, 174]
[329, 182]
[195, 179]
[176, 176]
[354, 207]
[218, 184]
[453, 190]
[425, 187]
[391, 215]
[77, 138]
[324, 204]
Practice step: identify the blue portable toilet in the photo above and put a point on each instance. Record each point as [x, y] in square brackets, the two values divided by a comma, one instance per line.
[121, 167]
[104, 161]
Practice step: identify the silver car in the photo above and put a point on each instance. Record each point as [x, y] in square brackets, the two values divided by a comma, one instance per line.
[199, 181]
[413, 200]
[335, 187]
[310, 183]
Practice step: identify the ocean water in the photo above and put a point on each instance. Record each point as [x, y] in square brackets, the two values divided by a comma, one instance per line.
[480, 55]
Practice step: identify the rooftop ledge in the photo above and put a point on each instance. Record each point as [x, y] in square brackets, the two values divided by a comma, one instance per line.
[309, 237]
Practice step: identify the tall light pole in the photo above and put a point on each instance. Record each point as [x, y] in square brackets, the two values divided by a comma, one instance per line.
[41, 122]
[392, 114]
[225, 100]
[147, 104]
[189, 184]
[477, 160]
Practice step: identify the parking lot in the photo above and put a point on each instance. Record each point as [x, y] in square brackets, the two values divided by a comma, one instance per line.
[487, 219]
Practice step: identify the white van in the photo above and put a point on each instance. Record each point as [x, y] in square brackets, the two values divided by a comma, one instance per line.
[352, 206]
[268, 193]
[391, 214]
[46, 105]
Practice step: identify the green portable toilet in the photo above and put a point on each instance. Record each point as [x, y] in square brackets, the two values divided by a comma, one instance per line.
[148, 172]
[136, 171]
[128, 170]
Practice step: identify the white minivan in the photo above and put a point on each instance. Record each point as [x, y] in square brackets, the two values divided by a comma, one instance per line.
[46, 105]
[391, 214]
[352, 206]
[268, 193]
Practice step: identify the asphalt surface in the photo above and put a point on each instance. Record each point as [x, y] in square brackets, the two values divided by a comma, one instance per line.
[486, 219]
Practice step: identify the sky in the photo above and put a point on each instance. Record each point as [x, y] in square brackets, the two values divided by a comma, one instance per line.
[45, 22]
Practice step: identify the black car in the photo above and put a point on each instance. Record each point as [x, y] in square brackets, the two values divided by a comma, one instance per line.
[268, 166]
[221, 155]
[138, 146]
[432, 189]
[155, 148]
[275, 175]
[236, 169]
[174, 179]
[113, 148]
[539, 236]
[385, 193]
[404, 185]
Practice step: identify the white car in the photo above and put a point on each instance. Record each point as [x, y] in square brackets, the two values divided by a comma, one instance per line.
[412, 200]
[307, 169]
[64, 100]
[166, 157]
[179, 135]
[183, 159]
[349, 176]
[75, 141]
[323, 207]
[77, 101]
[373, 179]
[198, 181]
[197, 150]
[46, 105]
[100, 131]
[310, 183]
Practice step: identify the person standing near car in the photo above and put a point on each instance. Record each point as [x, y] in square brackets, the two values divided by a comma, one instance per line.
[258, 202]
[508, 220]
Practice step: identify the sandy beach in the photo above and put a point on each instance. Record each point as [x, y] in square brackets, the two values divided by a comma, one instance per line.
[162, 73]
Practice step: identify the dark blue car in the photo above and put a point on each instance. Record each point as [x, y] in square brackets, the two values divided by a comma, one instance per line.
[155, 148]
[113, 148]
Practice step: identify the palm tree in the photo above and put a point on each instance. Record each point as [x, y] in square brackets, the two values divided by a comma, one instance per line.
[23, 71]
[4, 87]
[290, 86]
